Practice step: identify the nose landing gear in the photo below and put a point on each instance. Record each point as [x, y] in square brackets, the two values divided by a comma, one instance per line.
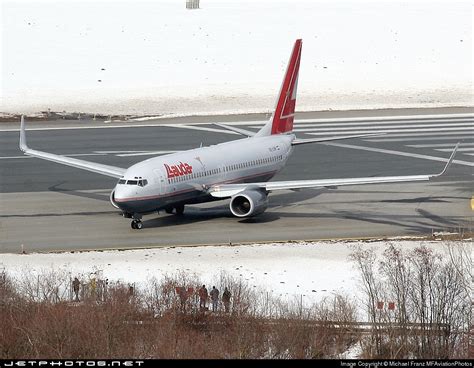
[136, 224]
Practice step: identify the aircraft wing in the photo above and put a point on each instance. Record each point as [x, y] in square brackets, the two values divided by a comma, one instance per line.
[229, 190]
[107, 170]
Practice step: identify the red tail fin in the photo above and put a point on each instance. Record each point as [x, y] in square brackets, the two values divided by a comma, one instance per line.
[285, 108]
[283, 116]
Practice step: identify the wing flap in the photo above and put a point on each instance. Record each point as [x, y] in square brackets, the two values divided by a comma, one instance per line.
[229, 190]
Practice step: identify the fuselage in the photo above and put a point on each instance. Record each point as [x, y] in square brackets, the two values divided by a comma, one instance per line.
[183, 177]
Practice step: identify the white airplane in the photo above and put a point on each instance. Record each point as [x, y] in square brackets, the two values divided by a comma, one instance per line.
[238, 170]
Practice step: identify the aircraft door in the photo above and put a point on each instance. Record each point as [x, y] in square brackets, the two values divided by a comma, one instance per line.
[160, 181]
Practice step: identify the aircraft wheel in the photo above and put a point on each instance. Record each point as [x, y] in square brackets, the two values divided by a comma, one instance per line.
[169, 209]
[180, 209]
[138, 225]
[133, 224]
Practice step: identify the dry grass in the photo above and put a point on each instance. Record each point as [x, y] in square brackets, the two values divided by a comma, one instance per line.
[154, 323]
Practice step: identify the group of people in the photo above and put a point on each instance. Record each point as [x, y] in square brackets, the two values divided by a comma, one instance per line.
[214, 294]
[203, 295]
[93, 289]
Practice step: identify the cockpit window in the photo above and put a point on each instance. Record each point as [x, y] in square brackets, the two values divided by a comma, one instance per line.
[139, 182]
[142, 182]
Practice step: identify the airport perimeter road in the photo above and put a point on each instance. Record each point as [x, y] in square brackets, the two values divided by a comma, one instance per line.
[47, 206]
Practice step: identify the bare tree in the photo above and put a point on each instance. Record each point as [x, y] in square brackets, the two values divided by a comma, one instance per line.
[433, 307]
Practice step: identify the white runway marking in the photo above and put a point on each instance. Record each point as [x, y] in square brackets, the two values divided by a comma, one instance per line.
[145, 153]
[201, 128]
[125, 126]
[399, 153]
[102, 153]
[371, 120]
[365, 120]
[459, 149]
[440, 135]
[347, 132]
[258, 123]
[452, 145]
[437, 138]
[71, 155]
[87, 127]
[468, 125]
[393, 117]
[85, 154]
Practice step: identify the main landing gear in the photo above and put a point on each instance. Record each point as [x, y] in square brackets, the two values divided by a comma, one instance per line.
[179, 209]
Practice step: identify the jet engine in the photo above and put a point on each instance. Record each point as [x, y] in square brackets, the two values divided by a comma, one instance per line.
[112, 199]
[248, 203]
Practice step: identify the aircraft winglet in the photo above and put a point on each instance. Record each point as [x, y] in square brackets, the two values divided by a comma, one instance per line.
[450, 161]
[23, 145]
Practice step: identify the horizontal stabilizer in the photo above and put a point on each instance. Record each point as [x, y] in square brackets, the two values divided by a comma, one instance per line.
[298, 141]
[245, 132]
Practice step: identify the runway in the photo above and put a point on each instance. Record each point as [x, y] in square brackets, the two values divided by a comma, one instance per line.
[46, 206]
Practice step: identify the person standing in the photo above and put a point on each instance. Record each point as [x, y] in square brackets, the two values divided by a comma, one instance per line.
[226, 299]
[214, 298]
[203, 295]
[75, 287]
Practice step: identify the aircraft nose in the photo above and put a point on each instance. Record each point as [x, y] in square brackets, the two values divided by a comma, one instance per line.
[116, 193]
[119, 197]
[119, 192]
[123, 199]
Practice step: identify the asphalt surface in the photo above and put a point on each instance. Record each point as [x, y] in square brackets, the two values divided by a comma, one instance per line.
[47, 206]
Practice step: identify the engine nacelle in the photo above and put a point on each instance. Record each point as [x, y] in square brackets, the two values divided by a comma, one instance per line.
[112, 199]
[249, 203]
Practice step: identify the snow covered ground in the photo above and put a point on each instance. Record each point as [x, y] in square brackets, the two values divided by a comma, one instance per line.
[290, 270]
[157, 57]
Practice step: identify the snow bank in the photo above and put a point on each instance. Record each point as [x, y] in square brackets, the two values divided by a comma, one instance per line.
[313, 270]
[157, 57]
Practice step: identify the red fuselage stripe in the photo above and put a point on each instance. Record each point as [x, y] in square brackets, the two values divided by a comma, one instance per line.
[189, 190]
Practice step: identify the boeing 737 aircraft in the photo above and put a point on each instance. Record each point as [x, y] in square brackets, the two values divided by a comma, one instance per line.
[238, 170]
